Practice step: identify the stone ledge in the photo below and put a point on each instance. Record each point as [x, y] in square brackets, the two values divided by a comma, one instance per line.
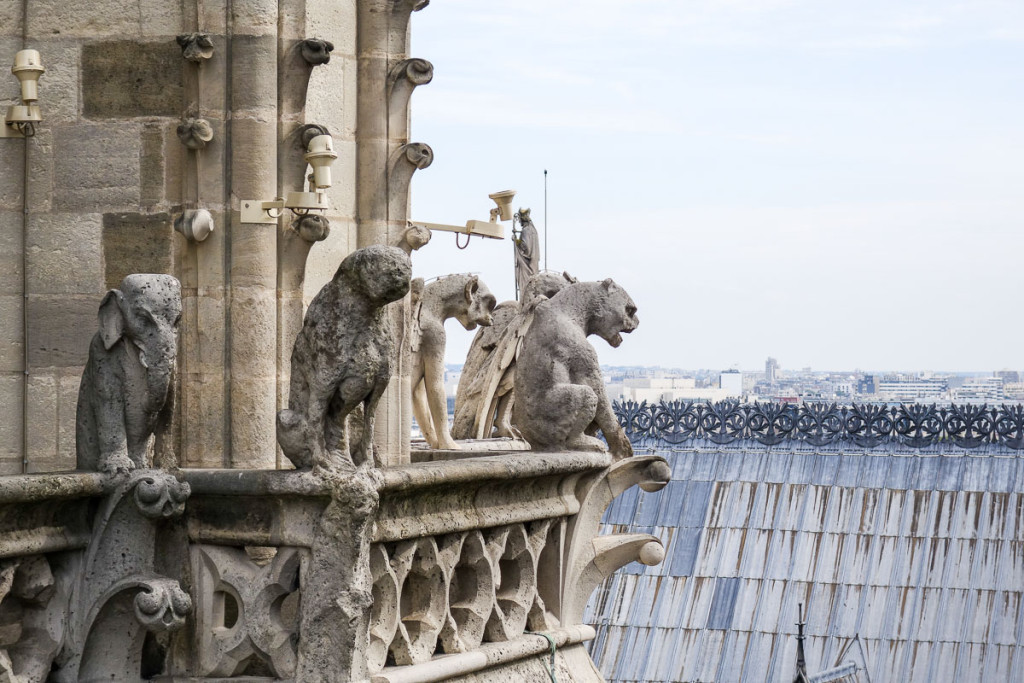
[279, 507]
[23, 488]
[404, 477]
[486, 656]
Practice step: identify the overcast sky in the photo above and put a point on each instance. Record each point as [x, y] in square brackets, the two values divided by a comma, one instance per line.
[836, 184]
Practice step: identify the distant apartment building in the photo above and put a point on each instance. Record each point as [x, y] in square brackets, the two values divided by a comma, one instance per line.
[908, 388]
[731, 382]
[1008, 376]
[980, 389]
[655, 389]
[771, 367]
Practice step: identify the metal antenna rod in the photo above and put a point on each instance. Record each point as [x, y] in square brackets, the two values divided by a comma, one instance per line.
[545, 219]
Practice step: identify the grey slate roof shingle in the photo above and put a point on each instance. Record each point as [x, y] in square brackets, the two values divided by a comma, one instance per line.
[919, 554]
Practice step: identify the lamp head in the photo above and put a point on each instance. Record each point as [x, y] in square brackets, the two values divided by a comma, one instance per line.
[27, 69]
[320, 156]
[504, 201]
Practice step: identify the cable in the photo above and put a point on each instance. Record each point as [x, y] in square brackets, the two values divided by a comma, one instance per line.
[550, 665]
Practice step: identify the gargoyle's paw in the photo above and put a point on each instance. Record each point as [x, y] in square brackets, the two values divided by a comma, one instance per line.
[117, 464]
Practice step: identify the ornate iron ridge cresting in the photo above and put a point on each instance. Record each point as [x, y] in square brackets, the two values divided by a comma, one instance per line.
[864, 425]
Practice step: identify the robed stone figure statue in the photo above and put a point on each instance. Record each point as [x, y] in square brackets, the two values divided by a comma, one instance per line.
[527, 246]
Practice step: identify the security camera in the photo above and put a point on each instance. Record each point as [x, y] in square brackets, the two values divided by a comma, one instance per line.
[320, 156]
[27, 69]
[503, 200]
[21, 118]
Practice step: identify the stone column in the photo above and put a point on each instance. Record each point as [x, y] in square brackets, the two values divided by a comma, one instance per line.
[252, 336]
[203, 361]
[382, 43]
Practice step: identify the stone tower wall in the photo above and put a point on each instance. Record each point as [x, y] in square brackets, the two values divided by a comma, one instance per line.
[93, 196]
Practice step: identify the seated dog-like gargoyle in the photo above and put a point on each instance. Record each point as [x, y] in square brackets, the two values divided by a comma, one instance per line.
[560, 396]
[341, 361]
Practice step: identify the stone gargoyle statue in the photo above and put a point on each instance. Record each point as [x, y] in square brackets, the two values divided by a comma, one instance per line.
[464, 298]
[560, 397]
[341, 362]
[127, 390]
[486, 388]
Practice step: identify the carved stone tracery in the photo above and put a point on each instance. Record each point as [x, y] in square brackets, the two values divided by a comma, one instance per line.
[246, 617]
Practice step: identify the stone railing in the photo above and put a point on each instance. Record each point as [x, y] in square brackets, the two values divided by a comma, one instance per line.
[864, 425]
[480, 566]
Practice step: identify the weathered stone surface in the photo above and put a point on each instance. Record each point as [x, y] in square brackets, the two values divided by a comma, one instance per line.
[323, 256]
[254, 307]
[102, 18]
[10, 425]
[68, 382]
[248, 169]
[342, 360]
[151, 165]
[469, 301]
[40, 170]
[10, 19]
[11, 333]
[96, 167]
[136, 243]
[128, 78]
[126, 392]
[559, 389]
[49, 321]
[256, 17]
[42, 416]
[173, 160]
[10, 252]
[13, 177]
[251, 52]
[60, 86]
[64, 254]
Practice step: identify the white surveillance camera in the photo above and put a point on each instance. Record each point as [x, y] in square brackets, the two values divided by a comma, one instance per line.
[320, 156]
[503, 200]
[27, 69]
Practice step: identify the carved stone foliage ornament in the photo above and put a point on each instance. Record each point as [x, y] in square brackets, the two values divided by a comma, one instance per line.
[118, 597]
[162, 606]
[312, 227]
[316, 51]
[195, 224]
[195, 47]
[126, 394]
[30, 631]
[195, 132]
[160, 496]
[560, 395]
[465, 298]
[341, 361]
[863, 425]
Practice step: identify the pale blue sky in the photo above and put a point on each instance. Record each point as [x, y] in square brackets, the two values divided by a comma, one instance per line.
[836, 184]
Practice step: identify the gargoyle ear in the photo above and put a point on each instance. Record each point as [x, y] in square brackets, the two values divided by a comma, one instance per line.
[608, 282]
[569, 278]
[111, 318]
[471, 287]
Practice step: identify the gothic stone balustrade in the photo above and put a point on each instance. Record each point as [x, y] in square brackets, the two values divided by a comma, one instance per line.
[460, 568]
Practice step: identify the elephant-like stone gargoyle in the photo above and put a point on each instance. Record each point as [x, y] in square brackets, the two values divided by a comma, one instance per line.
[126, 393]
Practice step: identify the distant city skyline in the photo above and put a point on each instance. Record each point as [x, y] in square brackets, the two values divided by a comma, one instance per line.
[832, 186]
